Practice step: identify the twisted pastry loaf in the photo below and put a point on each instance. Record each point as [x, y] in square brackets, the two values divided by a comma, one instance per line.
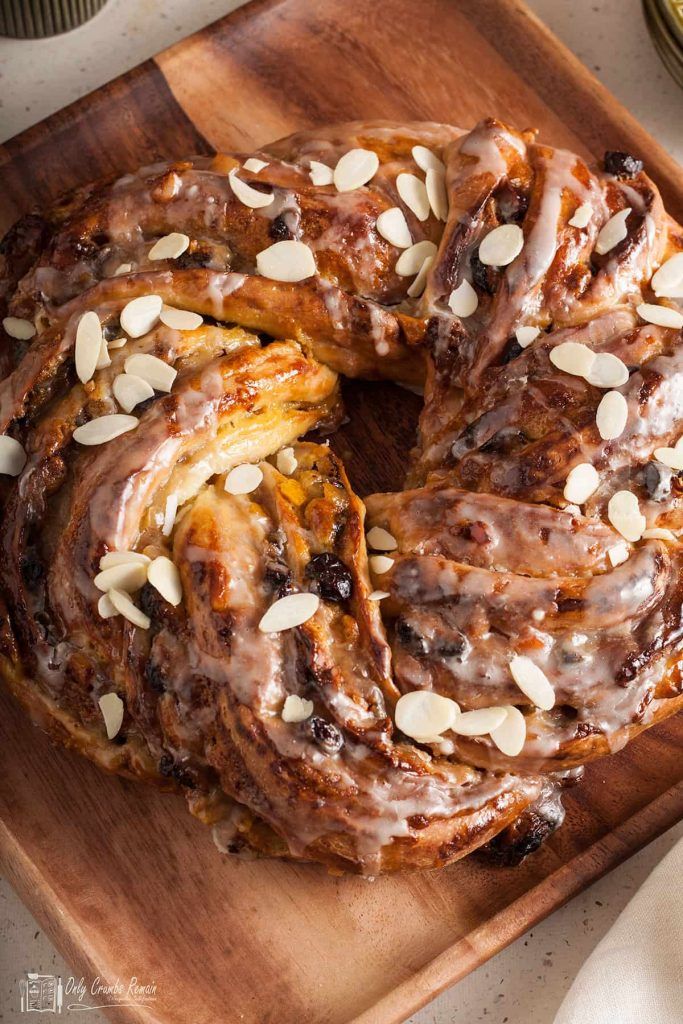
[186, 591]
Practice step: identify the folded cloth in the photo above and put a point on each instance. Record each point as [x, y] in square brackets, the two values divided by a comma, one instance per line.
[635, 974]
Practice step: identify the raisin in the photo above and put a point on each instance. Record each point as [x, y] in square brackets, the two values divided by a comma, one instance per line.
[278, 578]
[334, 581]
[111, 331]
[278, 230]
[409, 638]
[166, 765]
[32, 570]
[622, 165]
[658, 481]
[511, 351]
[326, 735]
[456, 646]
[483, 277]
[155, 677]
[192, 260]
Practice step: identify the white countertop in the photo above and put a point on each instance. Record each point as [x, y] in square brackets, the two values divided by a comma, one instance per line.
[526, 982]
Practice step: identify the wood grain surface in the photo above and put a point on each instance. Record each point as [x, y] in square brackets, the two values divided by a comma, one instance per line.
[122, 879]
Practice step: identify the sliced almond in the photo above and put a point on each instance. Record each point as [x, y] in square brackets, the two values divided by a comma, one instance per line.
[127, 576]
[113, 558]
[667, 282]
[243, 479]
[12, 456]
[170, 512]
[582, 216]
[286, 261]
[623, 512]
[607, 371]
[290, 611]
[321, 174]
[130, 611]
[123, 268]
[413, 192]
[111, 707]
[418, 285]
[180, 319]
[393, 226]
[380, 539]
[611, 415]
[296, 709]
[104, 429]
[170, 247]
[411, 260]
[533, 682]
[424, 715]
[164, 576]
[129, 390]
[117, 343]
[612, 232]
[662, 316]
[254, 165]
[104, 358]
[510, 735]
[17, 328]
[380, 564]
[502, 245]
[479, 722]
[286, 461]
[659, 533]
[463, 300]
[435, 183]
[582, 481]
[378, 595]
[158, 374]
[88, 346]
[426, 160]
[526, 334]
[139, 316]
[572, 357]
[105, 608]
[619, 554]
[671, 457]
[248, 196]
[355, 169]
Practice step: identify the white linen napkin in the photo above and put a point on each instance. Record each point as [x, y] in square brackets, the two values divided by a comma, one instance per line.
[635, 974]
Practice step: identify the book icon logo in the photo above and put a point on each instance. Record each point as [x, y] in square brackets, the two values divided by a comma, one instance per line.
[41, 993]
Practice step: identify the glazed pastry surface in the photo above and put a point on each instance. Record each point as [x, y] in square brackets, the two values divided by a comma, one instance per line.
[521, 290]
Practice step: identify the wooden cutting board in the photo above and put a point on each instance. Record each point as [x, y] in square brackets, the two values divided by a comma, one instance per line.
[121, 878]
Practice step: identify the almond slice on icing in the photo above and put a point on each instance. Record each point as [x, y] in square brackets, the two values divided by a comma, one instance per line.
[659, 533]
[123, 558]
[248, 196]
[126, 576]
[582, 216]
[18, 328]
[582, 481]
[671, 457]
[286, 461]
[479, 722]
[608, 371]
[12, 456]
[105, 608]
[413, 192]
[129, 390]
[286, 261]
[243, 479]
[393, 226]
[667, 282]
[526, 334]
[418, 285]
[662, 316]
[380, 539]
[423, 715]
[296, 709]
[411, 260]
[288, 612]
[158, 374]
[378, 595]
[170, 512]
[501, 246]
[612, 232]
[254, 165]
[355, 169]
[435, 183]
[510, 735]
[533, 682]
[463, 300]
[124, 606]
[111, 708]
[426, 160]
[623, 512]
[170, 247]
[139, 316]
[180, 319]
[380, 564]
[572, 357]
[88, 346]
[163, 574]
[320, 174]
[104, 429]
[611, 415]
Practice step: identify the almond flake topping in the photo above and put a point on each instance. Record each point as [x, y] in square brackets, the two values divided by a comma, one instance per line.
[393, 226]
[123, 558]
[170, 247]
[380, 564]
[104, 428]
[413, 192]
[533, 682]
[463, 300]
[526, 334]
[572, 357]
[129, 390]
[502, 245]
[611, 415]
[123, 268]
[286, 261]
[247, 195]
[17, 328]
[607, 371]
[243, 479]
[180, 319]
[667, 282]
[424, 715]
[479, 722]
[426, 160]
[662, 316]
[164, 576]
[671, 457]
[170, 512]
[436, 193]
[286, 461]
[618, 554]
[156, 372]
[126, 576]
[380, 539]
[254, 165]
[582, 216]
[418, 285]
[582, 481]
[659, 533]
[105, 608]
[292, 610]
[124, 606]
[111, 708]
[12, 456]
[354, 169]
[411, 261]
[296, 709]
[321, 174]
[378, 595]
[612, 232]
[117, 343]
[623, 512]
[139, 316]
[510, 735]
[104, 359]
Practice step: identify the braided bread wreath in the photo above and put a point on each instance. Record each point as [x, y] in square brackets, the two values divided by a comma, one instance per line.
[187, 593]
